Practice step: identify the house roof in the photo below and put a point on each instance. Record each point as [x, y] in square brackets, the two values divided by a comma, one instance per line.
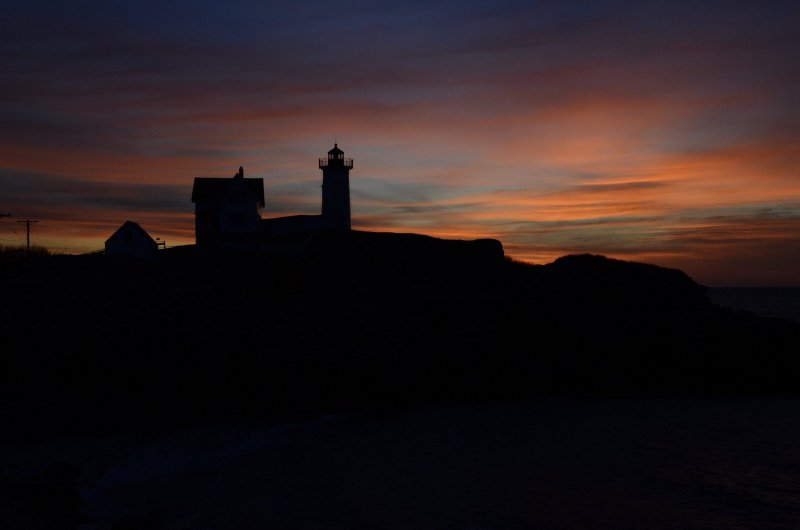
[210, 189]
[130, 225]
[335, 150]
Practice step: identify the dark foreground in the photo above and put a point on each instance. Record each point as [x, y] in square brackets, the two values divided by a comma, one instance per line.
[545, 463]
[208, 390]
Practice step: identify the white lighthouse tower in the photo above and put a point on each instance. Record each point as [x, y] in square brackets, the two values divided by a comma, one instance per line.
[336, 189]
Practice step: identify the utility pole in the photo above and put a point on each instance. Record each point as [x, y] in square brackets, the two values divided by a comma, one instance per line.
[28, 231]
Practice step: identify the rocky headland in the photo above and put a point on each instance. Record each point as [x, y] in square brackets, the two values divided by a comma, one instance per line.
[327, 321]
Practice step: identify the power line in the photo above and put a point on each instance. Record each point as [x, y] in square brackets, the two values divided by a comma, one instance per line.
[28, 231]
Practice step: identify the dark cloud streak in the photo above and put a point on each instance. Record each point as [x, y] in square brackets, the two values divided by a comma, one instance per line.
[46, 192]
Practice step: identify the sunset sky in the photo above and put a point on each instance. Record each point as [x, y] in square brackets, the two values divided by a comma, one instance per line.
[662, 132]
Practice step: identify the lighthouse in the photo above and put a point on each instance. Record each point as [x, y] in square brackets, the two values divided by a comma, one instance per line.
[336, 189]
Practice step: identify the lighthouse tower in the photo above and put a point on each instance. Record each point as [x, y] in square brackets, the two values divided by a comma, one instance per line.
[336, 189]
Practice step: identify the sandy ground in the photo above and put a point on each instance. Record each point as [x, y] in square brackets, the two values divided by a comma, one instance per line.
[549, 463]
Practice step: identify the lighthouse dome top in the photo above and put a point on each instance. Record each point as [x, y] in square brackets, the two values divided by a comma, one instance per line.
[336, 159]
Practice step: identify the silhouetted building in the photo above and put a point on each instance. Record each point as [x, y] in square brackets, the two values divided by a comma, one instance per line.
[335, 200]
[226, 211]
[131, 240]
[336, 189]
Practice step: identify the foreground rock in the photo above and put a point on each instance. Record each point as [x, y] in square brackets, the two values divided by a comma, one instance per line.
[331, 321]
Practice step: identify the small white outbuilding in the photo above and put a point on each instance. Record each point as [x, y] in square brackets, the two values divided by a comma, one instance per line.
[131, 240]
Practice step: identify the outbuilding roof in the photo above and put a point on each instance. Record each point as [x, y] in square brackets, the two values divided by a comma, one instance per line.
[130, 225]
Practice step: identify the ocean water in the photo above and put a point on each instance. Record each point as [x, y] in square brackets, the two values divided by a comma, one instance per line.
[566, 464]
[780, 302]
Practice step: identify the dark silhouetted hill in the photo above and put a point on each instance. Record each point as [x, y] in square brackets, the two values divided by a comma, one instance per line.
[326, 321]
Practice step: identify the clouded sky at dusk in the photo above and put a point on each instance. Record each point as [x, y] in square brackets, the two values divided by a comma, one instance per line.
[663, 132]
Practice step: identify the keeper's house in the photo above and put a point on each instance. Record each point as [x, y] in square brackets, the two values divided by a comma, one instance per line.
[227, 209]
